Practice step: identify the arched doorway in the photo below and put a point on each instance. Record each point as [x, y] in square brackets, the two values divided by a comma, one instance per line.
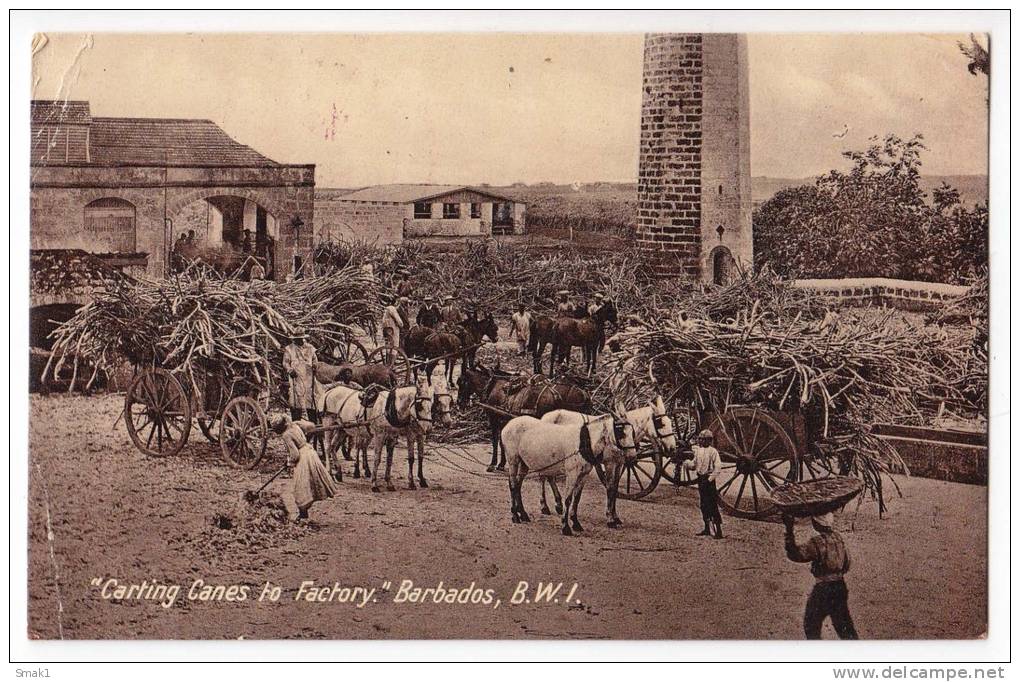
[230, 233]
[722, 265]
[110, 225]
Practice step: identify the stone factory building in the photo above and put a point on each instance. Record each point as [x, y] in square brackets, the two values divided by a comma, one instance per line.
[387, 214]
[135, 190]
[694, 174]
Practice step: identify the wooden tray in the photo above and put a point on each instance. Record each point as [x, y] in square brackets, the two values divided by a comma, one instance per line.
[813, 498]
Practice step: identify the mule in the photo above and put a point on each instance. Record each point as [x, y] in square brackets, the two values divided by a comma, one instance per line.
[540, 333]
[472, 332]
[366, 375]
[427, 346]
[407, 412]
[344, 419]
[650, 422]
[588, 333]
[571, 450]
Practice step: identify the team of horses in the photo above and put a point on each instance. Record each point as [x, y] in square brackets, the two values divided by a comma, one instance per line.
[538, 425]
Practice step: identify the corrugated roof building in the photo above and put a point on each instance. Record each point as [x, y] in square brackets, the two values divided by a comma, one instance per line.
[140, 192]
[387, 214]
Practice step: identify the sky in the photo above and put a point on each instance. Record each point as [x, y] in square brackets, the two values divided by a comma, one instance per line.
[503, 108]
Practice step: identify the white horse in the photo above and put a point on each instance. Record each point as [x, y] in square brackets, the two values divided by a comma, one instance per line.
[341, 406]
[571, 450]
[410, 412]
[650, 423]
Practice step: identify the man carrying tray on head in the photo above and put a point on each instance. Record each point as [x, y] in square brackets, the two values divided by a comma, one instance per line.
[830, 561]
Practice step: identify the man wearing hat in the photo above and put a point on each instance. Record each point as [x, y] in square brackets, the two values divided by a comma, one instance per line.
[705, 463]
[520, 323]
[564, 308]
[830, 561]
[596, 304]
[429, 315]
[299, 360]
[392, 324]
[450, 312]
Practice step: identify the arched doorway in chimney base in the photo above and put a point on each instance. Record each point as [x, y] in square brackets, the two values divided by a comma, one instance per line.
[722, 264]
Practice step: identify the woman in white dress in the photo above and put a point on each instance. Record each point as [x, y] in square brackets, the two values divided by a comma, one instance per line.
[311, 480]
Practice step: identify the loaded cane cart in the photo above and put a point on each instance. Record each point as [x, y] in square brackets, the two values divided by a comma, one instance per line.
[159, 407]
[760, 448]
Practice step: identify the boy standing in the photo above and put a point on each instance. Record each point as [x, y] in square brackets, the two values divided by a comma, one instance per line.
[706, 465]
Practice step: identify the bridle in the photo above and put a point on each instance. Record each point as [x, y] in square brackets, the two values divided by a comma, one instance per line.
[437, 407]
[620, 427]
[658, 423]
[419, 400]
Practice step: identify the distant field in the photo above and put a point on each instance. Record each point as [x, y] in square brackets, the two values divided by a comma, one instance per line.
[612, 206]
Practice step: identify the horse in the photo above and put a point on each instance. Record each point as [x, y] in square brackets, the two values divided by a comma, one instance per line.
[409, 412]
[540, 332]
[572, 450]
[649, 423]
[365, 375]
[505, 393]
[343, 414]
[472, 331]
[428, 345]
[588, 333]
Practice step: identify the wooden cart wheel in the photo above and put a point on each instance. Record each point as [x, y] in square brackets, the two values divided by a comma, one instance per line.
[243, 433]
[684, 423]
[393, 358]
[640, 476]
[351, 351]
[157, 412]
[757, 455]
[207, 425]
[671, 469]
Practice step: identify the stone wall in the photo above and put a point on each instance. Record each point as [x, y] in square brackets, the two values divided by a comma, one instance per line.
[372, 222]
[694, 164]
[894, 293]
[59, 196]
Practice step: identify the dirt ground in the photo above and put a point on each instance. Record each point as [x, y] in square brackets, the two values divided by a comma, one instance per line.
[99, 509]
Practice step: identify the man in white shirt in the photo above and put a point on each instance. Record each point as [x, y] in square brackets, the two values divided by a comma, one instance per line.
[392, 324]
[706, 465]
[521, 323]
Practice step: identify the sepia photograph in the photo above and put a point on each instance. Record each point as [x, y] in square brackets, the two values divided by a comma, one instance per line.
[508, 335]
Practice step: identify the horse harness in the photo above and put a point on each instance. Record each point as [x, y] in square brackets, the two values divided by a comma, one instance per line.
[394, 419]
[619, 430]
[657, 424]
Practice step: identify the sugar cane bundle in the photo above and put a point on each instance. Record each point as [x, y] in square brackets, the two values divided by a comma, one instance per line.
[813, 498]
[198, 323]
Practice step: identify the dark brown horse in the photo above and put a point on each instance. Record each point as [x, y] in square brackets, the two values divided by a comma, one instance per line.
[472, 331]
[516, 395]
[428, 345]
[366, 375]
[588, 333]
[539, 336]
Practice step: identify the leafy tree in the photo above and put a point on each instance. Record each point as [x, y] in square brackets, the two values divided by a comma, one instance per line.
[873, 220]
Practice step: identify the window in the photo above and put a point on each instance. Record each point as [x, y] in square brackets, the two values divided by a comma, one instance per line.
[110, 225]
[451, 211]
[476, 210]
[422, 209]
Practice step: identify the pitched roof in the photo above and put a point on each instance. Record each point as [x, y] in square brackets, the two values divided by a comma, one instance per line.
[404, 194]
[169, 142]
[136, 141]
[68, 112]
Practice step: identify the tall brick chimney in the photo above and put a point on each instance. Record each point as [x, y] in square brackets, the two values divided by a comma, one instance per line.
[694, 174]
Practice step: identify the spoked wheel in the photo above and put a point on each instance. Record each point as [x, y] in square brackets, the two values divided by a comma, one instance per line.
[351, 351]
[157, 412]
[393, 358]
[208, 427]
[674, 472]
[640, 476]
[757, 455]
[243, 433]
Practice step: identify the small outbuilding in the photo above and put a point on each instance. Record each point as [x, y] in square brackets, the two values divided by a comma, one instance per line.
[388, 214]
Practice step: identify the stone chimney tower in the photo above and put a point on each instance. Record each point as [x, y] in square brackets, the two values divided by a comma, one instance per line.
[694, 175]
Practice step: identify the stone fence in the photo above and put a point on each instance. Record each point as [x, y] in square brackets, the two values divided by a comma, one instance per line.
[894, 293]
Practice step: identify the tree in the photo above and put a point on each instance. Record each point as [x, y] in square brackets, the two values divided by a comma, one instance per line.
[980, 61]
[873, 220]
